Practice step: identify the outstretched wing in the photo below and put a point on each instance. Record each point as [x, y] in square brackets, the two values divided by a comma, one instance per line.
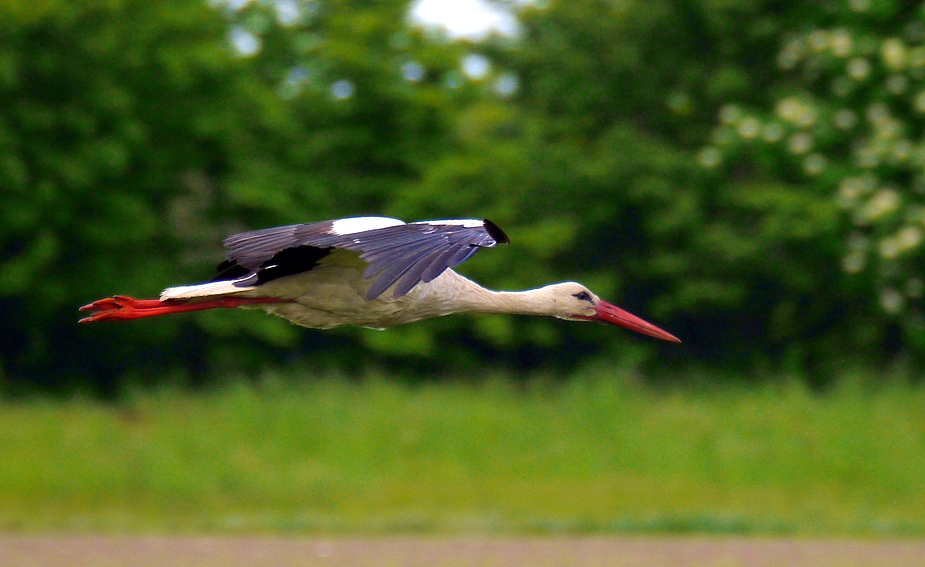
[396, 253]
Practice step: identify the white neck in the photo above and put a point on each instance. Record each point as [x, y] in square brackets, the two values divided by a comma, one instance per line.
[466, 296]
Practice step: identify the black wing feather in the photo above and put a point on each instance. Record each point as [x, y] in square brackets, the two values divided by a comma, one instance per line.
[405, 254]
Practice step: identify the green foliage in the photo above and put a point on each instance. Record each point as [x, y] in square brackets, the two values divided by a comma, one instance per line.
[600, 138]
[846, 125]
[134, 136]
[591, 455]
[746, 259]
[112, 113]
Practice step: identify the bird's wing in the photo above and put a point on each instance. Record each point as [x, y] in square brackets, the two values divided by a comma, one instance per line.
[396, 253]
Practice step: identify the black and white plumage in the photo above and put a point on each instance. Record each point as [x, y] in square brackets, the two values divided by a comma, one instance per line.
[339, 272]
[397, 253]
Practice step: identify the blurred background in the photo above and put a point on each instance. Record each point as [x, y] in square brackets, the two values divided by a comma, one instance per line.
[746, 174]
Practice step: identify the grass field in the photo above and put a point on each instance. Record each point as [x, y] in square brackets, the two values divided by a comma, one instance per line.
[596, 454]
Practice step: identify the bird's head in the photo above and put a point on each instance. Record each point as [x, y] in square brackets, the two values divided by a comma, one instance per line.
[575, 302]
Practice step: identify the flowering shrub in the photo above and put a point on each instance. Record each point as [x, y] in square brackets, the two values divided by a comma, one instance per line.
[846, 119]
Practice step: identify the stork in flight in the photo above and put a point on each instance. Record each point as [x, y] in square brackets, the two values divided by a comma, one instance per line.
[334, 273]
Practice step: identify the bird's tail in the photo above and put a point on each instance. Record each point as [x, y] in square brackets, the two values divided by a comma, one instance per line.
[203, 290]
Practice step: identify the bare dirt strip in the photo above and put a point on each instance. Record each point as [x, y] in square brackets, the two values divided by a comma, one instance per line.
[163, 551]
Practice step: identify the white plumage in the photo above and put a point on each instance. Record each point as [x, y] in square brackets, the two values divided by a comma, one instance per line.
[361, 224]
[373, 272]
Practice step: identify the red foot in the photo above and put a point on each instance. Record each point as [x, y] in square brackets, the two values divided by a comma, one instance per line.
[123, 308]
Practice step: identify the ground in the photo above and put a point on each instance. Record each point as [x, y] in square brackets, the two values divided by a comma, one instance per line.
[415, 551]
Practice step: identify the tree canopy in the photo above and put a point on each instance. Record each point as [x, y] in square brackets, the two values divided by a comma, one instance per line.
[691, 161]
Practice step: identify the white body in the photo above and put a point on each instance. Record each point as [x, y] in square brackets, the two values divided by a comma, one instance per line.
[334, 294]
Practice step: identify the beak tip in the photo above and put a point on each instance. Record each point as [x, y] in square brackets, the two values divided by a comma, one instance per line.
[614, 315]
[663, 335]
[666, 336]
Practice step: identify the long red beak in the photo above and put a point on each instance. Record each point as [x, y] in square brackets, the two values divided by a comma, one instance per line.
[615, 316]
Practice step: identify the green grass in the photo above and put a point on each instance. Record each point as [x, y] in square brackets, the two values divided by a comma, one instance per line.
[592, 455]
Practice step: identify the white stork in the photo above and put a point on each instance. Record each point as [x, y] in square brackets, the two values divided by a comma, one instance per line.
[334, 273]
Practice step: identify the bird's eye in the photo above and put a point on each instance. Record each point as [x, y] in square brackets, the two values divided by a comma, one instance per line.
[582, 296]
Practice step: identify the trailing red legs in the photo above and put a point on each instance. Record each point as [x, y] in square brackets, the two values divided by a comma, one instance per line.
[124, 308]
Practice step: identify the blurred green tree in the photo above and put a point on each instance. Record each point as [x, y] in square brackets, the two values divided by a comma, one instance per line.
[134, 136]
[841, 125]
[592, 161]
[117, 119]
[113, 114]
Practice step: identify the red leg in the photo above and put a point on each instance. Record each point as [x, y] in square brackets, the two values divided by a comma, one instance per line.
[122, 308]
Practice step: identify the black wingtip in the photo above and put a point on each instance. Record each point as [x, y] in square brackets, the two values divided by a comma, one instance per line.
[495, 232]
